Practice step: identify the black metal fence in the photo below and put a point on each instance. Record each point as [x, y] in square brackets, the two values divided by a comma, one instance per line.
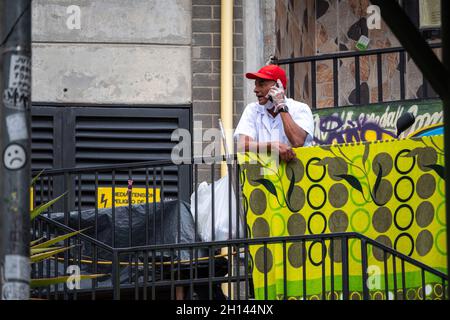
[311, 62]
[153, 249]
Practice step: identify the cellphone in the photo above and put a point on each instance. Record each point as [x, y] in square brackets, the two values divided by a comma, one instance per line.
[270, 97]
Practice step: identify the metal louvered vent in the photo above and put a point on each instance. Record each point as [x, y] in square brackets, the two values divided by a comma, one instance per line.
[109, 140]
[91, 136]
[45, 147]
[118, 136]
[42, 146]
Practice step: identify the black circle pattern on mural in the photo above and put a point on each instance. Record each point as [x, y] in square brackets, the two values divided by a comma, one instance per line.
[426, 186]
[308, 196]
[261, 228]
[258, 201]
[426, 157]
[382, 219]
[251, 262]
[380, 254]
[244, 203]
[338, 221]
[411, 212]
[424, 214]
[337, 167]
[296, 199]
[338, 195]
[424, 243]
[324, 219]
[296, 225]
[307, 170]
[295, 166]
[383, 160]
[295, 255]
[323, 249]
[411, 241]
[396, 191]
[259, 260]
[401, 154]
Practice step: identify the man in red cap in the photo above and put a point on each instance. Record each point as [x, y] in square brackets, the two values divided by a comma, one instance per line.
[275, 122]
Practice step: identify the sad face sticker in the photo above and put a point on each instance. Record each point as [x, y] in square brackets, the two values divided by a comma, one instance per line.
[14, 157]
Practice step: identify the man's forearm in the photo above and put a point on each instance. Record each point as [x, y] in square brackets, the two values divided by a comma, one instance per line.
[294, 133]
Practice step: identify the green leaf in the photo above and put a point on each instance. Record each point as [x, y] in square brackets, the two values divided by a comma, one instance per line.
[352, 181]
[44, 207]
[35, 283]
[366, 154]
[35, 251]
[268, 185]
[326, 147]
[58, 239]
[42, 256]
[290, 190]
[440, 170]
[32, 243]
[33, 182]
[377, 183]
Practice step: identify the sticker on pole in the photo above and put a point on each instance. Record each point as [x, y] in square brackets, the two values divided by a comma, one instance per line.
[17, 94]
[20, 73]
[15, 291]
[17, 268]
[14, 157]
[121, 196]
[17, 127]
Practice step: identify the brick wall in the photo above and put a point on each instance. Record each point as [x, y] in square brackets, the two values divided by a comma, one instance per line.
[206, 67]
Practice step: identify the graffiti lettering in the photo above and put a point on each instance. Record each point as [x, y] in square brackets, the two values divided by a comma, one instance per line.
[375, 122]
[353, 131]
[16, 99]
[20, 73]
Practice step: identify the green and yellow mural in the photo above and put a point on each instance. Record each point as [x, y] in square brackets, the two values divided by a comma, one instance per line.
[390, 191]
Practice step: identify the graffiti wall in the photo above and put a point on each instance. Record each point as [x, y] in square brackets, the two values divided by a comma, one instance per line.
[374, 122]
[392, 192]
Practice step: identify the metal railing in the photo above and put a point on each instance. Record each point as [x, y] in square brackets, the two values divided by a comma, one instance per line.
[150, 273]
[356, 55]
[153, 250]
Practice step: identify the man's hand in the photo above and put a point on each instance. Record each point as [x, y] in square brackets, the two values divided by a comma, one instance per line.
[284, 151]
[277, 94]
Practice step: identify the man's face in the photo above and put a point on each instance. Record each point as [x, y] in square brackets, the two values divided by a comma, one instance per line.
[262, 88]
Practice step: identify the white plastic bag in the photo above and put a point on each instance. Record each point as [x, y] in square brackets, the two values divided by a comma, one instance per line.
[221, 211]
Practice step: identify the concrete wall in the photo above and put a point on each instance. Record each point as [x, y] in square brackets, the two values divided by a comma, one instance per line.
[134, 52]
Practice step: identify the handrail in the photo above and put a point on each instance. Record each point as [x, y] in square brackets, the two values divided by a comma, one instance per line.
[131, 165]
[81, 235]
[255, 241]
[340, 55]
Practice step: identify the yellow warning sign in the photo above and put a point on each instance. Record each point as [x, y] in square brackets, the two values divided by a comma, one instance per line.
[138, 196]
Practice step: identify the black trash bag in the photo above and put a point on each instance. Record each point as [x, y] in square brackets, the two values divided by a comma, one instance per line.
[166, 223]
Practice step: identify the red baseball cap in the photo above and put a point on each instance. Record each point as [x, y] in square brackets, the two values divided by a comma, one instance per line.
[270, 72]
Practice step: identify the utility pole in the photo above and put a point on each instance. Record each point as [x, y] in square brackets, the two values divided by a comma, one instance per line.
[15, 148]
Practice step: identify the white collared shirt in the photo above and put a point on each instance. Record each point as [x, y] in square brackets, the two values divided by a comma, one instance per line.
[259, 124]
